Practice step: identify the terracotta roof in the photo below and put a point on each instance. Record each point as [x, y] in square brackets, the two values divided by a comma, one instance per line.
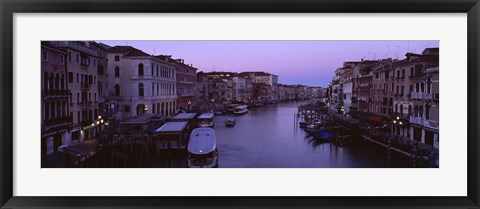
[427, 58]
[120, 49]
[255, 73]
[412, 54]
[431, 50]
[136, 53]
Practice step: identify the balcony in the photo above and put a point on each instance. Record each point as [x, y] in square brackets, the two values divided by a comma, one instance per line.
[77, 46]
[59, 121]
[85, 86]
[424, 122]
[56, 92]
[186, 94]
[85, 104]
[415, 120]
[426, 96]
[186, 82]
[141, 77]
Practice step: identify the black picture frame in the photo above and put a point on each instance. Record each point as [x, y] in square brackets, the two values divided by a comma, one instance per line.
[9, 7]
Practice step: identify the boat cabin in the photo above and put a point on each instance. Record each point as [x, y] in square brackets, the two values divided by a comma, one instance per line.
[202, 149]
[206, 120]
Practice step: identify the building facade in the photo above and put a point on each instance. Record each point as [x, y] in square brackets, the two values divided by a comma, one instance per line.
[140, 83]
[56, 119]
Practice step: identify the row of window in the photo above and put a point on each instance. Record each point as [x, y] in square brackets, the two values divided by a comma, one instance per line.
[83, 97]
[386, 74]
[53, 81]
[45, 57]
[87, 115]
[53, 110]
[416, 111]
[160, 71]
[82, 78]
[165, 108]
[83, 60]
[419, 88]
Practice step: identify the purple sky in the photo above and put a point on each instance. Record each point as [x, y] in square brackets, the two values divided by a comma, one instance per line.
[295, 62]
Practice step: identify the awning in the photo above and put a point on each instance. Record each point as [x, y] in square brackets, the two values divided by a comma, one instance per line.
[369, 117]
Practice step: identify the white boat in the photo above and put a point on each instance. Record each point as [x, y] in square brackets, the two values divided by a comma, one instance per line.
[206, 120]
[241, 109]
[202, 149]
[231, 107]
[230, 122]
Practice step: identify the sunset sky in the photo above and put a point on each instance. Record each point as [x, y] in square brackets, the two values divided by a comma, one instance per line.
[295, 62]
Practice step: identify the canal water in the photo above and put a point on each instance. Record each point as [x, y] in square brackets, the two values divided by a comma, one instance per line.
[267, 137]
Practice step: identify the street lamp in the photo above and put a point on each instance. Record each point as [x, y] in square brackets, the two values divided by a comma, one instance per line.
[342, 110]
[189, 103]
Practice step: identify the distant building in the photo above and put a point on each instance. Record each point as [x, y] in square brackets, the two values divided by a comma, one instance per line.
[202, 90]
[140, 83]
[186, 76]
[265, 78]
[239, 88]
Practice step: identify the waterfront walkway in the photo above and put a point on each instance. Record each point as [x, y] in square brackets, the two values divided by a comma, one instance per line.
[414, 149]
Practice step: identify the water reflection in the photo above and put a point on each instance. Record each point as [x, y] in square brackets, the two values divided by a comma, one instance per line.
[267, 137]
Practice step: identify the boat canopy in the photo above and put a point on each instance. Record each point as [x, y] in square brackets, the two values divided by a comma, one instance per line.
[373, 118]
[172, 128]
[206, 116]
[202, 141]
[184, 116]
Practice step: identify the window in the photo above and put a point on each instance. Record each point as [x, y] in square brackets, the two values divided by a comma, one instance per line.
[44, 56]
[70, 77]
[77, 77]
[117, 58]
[62, 59]
[117, 71]
[403, 73]
[69, 56]
[427, 112]
[94, 62]
[402, 90]
[411, 71]
[140, 89]
[140, 69]
[127, 108]
[117, 90]
[78, 58]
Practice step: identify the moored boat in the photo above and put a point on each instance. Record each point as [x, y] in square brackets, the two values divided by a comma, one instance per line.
[230, 122]
[241, 109]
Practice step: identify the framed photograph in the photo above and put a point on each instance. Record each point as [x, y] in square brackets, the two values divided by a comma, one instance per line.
[265, 104]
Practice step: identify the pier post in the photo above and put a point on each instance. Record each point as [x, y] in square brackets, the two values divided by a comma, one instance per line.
[414, 156]
[389, 152]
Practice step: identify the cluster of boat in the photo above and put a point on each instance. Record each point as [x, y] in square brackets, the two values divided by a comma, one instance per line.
[316, 124]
